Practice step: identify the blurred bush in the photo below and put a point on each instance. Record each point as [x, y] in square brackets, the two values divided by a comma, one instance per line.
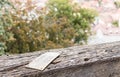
[115, 23]
[76, 18]
[28, 32]
[61, 24]
[5, 23]
[117, 3]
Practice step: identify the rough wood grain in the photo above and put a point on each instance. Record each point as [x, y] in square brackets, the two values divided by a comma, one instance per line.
[71, 58]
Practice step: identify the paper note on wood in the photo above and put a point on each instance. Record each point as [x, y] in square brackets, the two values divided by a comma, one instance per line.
[43, 60]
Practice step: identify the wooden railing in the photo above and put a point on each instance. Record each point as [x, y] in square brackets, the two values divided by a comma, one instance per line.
[101, 60]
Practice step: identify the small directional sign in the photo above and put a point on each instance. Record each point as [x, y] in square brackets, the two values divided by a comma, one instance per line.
[43, 60]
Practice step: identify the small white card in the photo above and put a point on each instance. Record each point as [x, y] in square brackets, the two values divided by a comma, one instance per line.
[43, 60]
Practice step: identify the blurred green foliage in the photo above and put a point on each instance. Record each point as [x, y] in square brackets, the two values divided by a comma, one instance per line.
[5, 23]
[115, 23]
[78, 19]
[60, 24]
[117, 3]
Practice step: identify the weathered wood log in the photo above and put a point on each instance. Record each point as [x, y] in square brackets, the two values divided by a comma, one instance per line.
[101, 60]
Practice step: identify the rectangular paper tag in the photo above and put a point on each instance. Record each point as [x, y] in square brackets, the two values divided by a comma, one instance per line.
[43, 60]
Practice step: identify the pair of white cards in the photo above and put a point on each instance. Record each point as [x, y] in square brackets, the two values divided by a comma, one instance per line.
[43, 60]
